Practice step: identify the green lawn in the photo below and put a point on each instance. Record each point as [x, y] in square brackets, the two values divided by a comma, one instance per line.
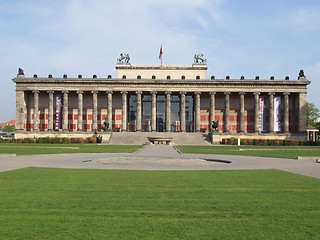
[268, 151]
[27, 149]
[42, 203]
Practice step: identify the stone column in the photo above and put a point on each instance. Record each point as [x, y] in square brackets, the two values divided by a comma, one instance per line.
[109, 111]
[36, 110]
[271, 112]
[154, 112]
[95, 110]
[242, 111]
[286, 112]
[124, 111]
[256, 112]
[227, 112]
[302, 112]
[80, 110]
[168, 111]
[212, 109]
[50, 114]
[139, 110]
[65, 111]
[183, 111]
[20, 107]
[197, 111]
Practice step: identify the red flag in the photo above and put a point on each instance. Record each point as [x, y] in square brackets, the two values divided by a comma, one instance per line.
[161, 52]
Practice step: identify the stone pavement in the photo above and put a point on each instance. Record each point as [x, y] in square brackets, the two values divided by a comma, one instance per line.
[159, 157]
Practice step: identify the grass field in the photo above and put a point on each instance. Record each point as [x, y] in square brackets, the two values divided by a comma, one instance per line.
[27, 149]
[267, 151]
[42, 203]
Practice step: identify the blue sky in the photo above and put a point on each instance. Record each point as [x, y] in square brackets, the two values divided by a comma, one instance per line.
[247, 37]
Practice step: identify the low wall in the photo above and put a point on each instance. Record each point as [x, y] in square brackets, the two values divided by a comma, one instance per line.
[217, 137]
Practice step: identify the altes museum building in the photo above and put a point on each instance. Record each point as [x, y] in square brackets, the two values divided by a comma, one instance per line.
[166, 99]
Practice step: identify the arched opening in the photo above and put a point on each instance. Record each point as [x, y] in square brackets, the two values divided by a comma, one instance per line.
[124, 77]
[138, 77]
[153, 77]
[183, 77]
[198, 77]
[168, 77]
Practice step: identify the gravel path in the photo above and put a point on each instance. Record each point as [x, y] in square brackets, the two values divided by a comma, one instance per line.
[159, 157]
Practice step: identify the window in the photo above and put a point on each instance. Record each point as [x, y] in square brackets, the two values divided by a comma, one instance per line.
[168, 77]
[138, 77]
[124, 77]
[198, 77]
[183, 77]
[153, 77]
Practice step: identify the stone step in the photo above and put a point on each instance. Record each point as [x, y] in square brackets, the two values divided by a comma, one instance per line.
[138, 138]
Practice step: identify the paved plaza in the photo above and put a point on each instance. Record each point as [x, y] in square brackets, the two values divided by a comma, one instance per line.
[159, 157]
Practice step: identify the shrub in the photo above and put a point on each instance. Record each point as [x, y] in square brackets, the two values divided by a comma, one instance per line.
[55, 140]
[92, 140]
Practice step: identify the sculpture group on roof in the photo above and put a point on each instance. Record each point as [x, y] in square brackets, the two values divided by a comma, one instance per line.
[124, 58]
[199, 59]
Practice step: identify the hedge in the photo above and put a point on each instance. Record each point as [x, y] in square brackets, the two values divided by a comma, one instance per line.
[49, 140]
[270, 142]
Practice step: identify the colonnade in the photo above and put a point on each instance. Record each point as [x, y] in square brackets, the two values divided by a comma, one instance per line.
[21, 109]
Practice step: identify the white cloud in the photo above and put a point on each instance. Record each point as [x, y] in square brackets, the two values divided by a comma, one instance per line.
[312, 73]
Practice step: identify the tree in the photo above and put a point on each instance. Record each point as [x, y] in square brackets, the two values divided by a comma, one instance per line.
[8, 128]
[313, 115]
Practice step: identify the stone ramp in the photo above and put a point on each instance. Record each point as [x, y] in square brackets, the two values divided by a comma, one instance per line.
[139, 138]
[158, 151]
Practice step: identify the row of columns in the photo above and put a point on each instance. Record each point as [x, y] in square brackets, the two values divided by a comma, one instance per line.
[302, 110]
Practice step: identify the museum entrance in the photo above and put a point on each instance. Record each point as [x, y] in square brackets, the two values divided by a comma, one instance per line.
[161, 113]
[146, 113]
[132, 113]
[189, 113]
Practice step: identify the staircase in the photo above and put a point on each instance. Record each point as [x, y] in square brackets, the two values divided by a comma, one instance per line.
[138, 138]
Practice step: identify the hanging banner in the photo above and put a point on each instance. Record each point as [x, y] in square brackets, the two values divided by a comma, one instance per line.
[59, 112]
[277, 114]
[262, 120]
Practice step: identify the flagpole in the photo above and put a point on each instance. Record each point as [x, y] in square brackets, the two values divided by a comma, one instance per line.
[160, 55]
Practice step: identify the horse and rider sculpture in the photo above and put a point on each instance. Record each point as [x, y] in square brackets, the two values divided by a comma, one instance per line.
[124, 58]
[199, 59]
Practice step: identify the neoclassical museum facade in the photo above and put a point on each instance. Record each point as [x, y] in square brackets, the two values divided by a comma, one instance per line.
[161, 98]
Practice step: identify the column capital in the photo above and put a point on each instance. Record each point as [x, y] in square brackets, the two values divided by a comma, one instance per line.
[124, 92]
[183, 93]
[111, 92]
[95, 92]
[138, 92]
[212, 93]
[168, 93]
[153, 92]
[286, 93]
[271, 93]
[20, 90]
[256, 93]
[197, 93]
[65, 91]
[35, 91]
[227, 93]
[242, 93]
[50, 91]
[80, 92]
